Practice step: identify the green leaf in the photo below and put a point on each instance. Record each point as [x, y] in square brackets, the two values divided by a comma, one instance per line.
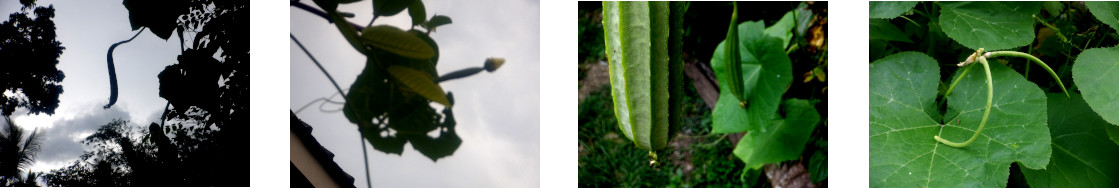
[818, 164]
[774, 76]
[436, 21]
[348, 31]
[904, 118]
[884, 30]
[430, 42]
[420, 83]
[369, 96]
[990, 25]
[890, 9]
[784, 141]
[397, 41]
[1106, 11]
[1096, 73]
[390, 7]
[1053, 7]
[1113, 132]
[413, 117]
[417, 12]
[1081, 149]
[783, 29]
[160, 17]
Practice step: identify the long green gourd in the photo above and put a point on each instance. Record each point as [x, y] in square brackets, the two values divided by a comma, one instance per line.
[646, 75]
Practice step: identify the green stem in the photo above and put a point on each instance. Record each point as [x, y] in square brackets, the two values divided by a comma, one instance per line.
[957, 81]
[986, 113]
[1057, 31]
[1035, 60]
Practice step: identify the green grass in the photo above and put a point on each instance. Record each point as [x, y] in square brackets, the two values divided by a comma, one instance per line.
[608, 159]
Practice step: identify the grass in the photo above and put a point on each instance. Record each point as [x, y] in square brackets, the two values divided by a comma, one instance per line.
[608, 159]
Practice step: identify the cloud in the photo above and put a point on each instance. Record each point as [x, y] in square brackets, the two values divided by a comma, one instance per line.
[60, 143]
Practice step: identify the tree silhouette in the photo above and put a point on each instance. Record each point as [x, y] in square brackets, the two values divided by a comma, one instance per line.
[17, 152]
[205, 139]
[28, 74]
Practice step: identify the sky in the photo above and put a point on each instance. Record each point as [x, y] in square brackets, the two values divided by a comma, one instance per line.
[498, 113]
[87, 29]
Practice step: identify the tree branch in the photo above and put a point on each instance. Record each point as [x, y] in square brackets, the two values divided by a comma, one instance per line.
[320, 13]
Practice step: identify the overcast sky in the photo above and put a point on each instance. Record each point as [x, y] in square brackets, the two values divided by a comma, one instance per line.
[87, 29]
[497, 113]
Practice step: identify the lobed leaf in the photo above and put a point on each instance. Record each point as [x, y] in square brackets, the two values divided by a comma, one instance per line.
[1083, 156]
[784, 141]
[904, 118]
[990, 25]
[765, 54]
[1096, 73]
[783, 29]
[890, 9]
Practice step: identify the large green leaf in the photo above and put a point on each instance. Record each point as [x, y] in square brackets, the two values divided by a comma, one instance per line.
[883, 30]
[1083, 156]
[904, 119]
[397, 41]
[890, 9]
[1106, 11]
[990, 25]
[420, 83]
[783, 29]
[1113, 132]
[773, 77]
[784, 141]
[1096, 73]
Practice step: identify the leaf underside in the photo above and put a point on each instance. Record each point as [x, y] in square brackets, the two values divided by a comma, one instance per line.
[1083, 156]
[1096, 73]
[397, 41]
[990, 25]
[904, 118]
[419, 82]
[775, 74]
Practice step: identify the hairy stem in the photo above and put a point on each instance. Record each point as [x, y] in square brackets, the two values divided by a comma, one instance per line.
[1035, 60]
[986, 113]
[1057, 31]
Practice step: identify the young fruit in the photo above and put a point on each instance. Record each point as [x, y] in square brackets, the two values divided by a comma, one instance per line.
[642, 83]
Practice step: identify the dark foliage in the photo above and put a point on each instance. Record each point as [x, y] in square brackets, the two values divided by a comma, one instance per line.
[30, 54]
[205, 142]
